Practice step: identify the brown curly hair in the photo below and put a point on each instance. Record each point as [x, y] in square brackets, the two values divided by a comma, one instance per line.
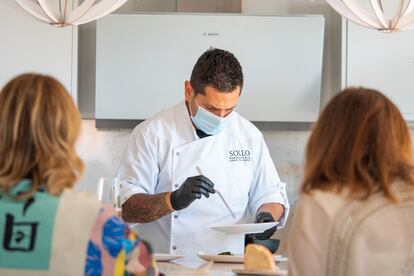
[39, 127]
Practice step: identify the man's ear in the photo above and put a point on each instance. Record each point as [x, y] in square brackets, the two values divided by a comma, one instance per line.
[188, 91]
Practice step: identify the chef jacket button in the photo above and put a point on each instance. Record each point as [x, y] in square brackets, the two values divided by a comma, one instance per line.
[178, 153]
[176, 185]
[174, 247]
[176, 216]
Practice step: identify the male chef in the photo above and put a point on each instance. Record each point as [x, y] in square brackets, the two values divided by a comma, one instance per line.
[178, 160]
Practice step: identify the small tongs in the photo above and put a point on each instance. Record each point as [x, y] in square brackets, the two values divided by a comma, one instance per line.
[220, 195]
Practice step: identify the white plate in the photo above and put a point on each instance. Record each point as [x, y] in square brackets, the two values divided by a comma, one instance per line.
[279, 272]
[248, 228]
[161, 257]
[233, 258]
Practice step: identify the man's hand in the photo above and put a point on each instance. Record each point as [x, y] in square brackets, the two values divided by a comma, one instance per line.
[193, 188]
[261, 218]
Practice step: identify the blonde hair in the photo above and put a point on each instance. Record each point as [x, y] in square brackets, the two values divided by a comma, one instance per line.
[360, 141]
[39, 127]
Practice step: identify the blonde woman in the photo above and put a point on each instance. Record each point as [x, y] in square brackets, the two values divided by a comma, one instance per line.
[45, 227]
[356, 212]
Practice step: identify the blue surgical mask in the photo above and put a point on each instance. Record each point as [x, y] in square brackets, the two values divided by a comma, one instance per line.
[208, 122]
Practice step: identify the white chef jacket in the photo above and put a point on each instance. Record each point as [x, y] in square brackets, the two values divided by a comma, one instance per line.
[165, 150]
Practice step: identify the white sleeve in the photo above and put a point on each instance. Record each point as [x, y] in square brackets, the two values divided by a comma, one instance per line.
[308, 232]
[138, 170]
[267, 186]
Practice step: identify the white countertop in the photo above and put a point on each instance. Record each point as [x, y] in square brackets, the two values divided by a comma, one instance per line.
[196, 266]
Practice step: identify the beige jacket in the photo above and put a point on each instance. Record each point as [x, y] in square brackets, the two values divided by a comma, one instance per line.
[332, 235]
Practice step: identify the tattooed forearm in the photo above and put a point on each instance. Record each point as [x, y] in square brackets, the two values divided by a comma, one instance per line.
[143, 208]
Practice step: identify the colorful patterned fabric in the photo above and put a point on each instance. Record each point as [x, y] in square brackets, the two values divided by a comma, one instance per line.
[66, 235]
[115, 250]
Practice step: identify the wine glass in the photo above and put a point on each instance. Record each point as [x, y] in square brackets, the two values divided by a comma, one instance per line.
[108, 192]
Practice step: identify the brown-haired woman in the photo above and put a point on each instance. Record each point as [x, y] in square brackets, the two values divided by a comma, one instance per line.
[45, 227]
[356, 212]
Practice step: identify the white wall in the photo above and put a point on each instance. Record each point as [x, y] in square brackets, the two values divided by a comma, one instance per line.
[102, 150]
[87, 47]
[26, 45]
[331, 81]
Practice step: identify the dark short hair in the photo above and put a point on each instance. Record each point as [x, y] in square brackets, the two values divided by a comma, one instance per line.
[217, 68]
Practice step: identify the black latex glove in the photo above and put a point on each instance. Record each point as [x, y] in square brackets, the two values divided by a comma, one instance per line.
[193, 188]
[261, 218]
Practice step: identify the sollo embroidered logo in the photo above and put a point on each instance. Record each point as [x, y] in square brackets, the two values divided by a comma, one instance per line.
[239, 155]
